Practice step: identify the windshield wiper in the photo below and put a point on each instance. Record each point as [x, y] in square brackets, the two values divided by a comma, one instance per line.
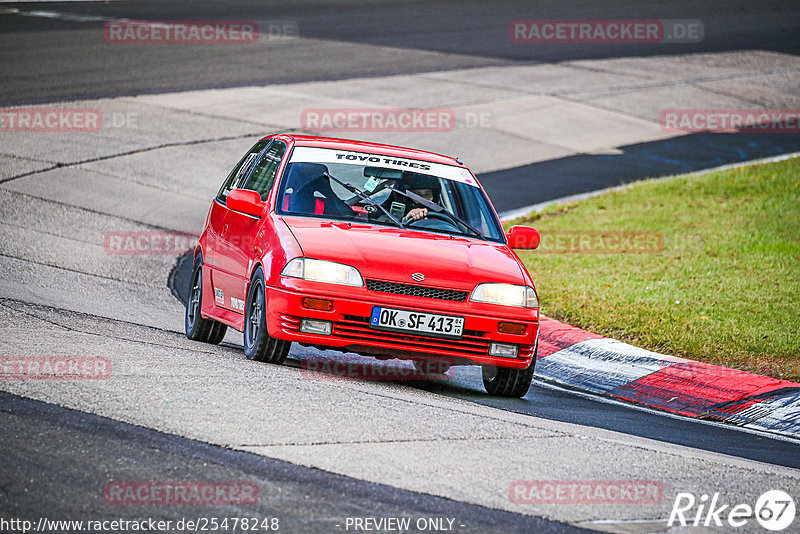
[358, 192]
[437, 208]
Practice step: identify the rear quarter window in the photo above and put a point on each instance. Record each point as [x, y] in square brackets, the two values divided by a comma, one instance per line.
[237, 176]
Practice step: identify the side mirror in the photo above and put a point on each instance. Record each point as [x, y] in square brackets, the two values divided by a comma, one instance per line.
[522, 237]
[245, 201]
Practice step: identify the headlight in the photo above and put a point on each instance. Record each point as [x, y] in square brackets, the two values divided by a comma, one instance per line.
[506, 295]
[323, 271]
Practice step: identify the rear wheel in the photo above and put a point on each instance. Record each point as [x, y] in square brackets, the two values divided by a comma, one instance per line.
[197, 328]
[258, 344]
[506, 382]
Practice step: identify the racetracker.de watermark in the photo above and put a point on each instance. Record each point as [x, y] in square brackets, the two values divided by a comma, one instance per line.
[180, 493]
[53, 119]
[55, 368]
[188, 32]
[601, 242]
[730, 120]
[586, 492]
[377, 120]
[323, 369]
[148, 243]
[629, 31]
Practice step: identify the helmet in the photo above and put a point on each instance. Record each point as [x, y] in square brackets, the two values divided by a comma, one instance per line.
[415, 180]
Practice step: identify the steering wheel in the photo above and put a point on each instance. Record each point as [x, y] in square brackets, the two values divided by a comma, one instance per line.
[434, 215]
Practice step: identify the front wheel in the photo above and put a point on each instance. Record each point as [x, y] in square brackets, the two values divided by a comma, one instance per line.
[258, 344]
[506, 382]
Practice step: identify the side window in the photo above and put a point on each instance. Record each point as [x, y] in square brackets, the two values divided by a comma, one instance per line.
[239, 172]
[266, 168]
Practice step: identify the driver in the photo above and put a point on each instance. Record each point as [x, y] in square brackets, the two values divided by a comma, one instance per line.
[424, 185]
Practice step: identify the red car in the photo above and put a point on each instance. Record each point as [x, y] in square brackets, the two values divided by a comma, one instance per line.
[360, 247]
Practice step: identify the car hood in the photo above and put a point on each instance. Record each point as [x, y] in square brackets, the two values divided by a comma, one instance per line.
[394, 254]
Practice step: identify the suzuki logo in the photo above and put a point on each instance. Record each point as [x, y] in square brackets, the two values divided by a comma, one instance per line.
[419, 277]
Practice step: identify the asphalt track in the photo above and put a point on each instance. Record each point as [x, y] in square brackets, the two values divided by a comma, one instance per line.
[559, 404]
[425, 37]
[66, 62]
[57, 459]
[516, 187]
[310, 500]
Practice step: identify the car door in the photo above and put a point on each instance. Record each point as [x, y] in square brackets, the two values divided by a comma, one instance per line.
[236, 250]
[216, 221]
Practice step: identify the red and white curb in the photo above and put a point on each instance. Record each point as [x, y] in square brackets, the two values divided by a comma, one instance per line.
[590, 362]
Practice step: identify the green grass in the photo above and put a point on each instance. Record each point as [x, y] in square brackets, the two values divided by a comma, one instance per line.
[725, 288]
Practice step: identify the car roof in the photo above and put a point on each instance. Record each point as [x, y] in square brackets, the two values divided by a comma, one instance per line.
[362, 146]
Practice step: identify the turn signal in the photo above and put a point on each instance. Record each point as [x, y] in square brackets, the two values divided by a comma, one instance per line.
[317, 304]
[511, 328]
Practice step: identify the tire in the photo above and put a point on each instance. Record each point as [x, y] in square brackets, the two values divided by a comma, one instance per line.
[197, 328]
[258, 344]
[506, 382]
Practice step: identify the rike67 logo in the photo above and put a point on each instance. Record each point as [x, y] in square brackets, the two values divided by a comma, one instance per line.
[774, 510]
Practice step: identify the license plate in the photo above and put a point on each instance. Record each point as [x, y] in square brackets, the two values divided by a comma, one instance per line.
[420, 322]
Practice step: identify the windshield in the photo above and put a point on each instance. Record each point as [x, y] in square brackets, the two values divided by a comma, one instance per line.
[387, 190]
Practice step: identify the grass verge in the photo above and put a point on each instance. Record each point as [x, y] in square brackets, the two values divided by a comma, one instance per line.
[706, 266]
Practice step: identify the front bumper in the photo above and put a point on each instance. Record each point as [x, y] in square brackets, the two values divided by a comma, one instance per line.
[352, 333]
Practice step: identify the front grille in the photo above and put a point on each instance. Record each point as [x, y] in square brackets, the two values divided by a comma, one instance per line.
[362, 333]
[370, 341]
[417, 291]
[365, 320]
